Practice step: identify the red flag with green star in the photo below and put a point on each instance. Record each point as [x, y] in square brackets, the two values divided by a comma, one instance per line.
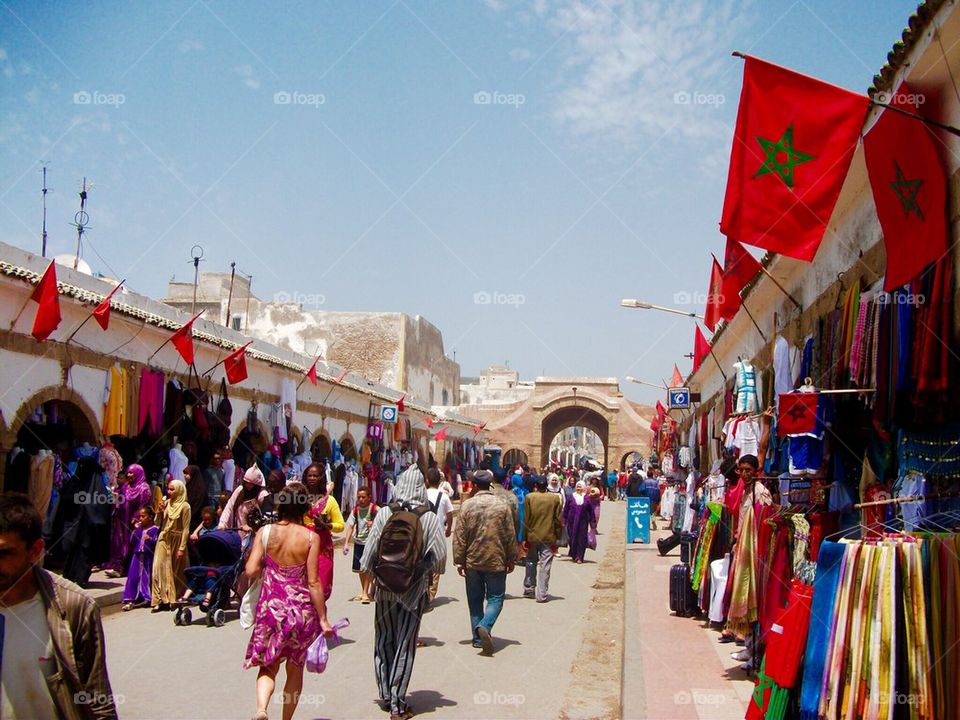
[909, 190]
[792, 146]
[739, 268]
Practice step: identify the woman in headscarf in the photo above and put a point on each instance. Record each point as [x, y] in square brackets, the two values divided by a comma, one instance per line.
[324, 518]
[132, 493]
[169, 559]
[554, 486]
[578, 518]
[397, 616]
[81, 522]
[243, 500]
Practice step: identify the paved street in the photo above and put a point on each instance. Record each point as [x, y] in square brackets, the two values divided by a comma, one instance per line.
[163, 671]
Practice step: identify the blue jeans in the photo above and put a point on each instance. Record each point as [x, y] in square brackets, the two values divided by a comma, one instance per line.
[485, 585]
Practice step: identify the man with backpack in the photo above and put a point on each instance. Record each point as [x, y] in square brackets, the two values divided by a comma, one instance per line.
[484, 550]
[405, 545]
[440, 504]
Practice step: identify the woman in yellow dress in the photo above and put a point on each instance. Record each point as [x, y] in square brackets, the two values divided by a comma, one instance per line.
[170, 557]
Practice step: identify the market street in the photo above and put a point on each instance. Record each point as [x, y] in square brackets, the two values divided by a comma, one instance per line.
[159, 670]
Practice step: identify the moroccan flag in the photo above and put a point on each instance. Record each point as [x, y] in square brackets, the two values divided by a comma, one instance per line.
[739, 268]
[701, 348]
[429, 422]
[47, 297]
[400, 407]
[183, 340]
[794, 139]
[661, 410]
[442, 435]
[236, 365]
[312, 372]
[677, 379]
[797, 413]
[909, 189]
[715, 297]
[102, 312]
[340, 377]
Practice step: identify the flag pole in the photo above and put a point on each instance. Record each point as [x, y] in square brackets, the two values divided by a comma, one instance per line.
[171, 337]
[108, 296]
[782, 288]
[719, 366]
[743, 304]
[220, 362]
[304, 378]
[947, 128]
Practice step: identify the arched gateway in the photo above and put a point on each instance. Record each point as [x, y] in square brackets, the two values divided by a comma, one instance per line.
[560, 403]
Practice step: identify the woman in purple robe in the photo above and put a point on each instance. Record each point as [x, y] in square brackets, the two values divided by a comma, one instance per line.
[133, 492]
[143, 542]
[578, 518]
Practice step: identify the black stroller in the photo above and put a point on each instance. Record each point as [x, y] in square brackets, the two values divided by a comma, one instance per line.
[212, 583]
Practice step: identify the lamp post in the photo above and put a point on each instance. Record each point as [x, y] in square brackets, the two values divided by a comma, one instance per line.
[643, 305]
[630, 378]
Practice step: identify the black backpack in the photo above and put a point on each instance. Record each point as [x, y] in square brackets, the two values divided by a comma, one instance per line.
[399, 562]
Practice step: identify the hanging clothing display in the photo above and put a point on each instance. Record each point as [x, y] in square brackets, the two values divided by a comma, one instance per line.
[115, 402]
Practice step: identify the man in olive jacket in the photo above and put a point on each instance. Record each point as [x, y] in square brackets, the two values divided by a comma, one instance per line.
[484, 550]
[541, 530]
[52, 656]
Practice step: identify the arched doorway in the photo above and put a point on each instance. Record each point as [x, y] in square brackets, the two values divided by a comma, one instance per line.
[634, 457]
[348, 448]
[514, 457]
[574, 416]
[320, 448]
[54, 419]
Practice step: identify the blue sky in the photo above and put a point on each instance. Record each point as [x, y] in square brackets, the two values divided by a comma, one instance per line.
[509, 170]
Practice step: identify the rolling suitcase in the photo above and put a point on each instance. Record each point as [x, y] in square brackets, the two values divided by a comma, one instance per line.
[683, 601]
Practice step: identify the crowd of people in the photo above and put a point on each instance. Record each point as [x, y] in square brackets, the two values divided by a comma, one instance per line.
[286, 524]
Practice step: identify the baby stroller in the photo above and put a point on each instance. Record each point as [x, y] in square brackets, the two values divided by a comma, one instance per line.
[211, 584]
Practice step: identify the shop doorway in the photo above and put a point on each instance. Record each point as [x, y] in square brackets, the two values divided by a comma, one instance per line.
[514, 457]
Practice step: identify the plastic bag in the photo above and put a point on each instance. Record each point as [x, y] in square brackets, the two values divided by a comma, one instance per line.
[317, 653]
[592, 539]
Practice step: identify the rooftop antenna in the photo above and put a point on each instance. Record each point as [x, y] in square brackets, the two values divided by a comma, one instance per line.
[43, 230]
[80, 221]
[196, 252]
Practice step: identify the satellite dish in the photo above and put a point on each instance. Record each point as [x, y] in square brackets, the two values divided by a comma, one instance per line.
[69, 260]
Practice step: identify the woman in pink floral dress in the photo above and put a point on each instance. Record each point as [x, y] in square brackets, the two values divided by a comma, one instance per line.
[291, 612]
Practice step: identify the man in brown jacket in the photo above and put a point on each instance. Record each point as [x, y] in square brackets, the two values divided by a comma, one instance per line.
[52, 657]
[541, 530]
[484, 549]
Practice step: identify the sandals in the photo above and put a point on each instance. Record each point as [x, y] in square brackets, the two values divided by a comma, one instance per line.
[356, 598]
[127, 607]
[261, 715]
[365, 600]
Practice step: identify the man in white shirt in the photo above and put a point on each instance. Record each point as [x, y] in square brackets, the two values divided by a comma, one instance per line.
[441, 504]
[52, 656]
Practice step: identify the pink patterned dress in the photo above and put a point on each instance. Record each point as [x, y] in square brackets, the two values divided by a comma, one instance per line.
[285, 623]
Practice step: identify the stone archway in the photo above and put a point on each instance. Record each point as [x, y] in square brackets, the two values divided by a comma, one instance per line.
[513, 457]
[569, 415]
[320, 446]
[79, 414]
[627, 458]
[348, 448]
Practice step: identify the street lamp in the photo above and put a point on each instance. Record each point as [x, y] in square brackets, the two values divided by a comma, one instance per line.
[643, 305]
[630, 378]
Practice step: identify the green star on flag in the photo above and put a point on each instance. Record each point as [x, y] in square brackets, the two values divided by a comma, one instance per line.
[907, 191]
[781, 157]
